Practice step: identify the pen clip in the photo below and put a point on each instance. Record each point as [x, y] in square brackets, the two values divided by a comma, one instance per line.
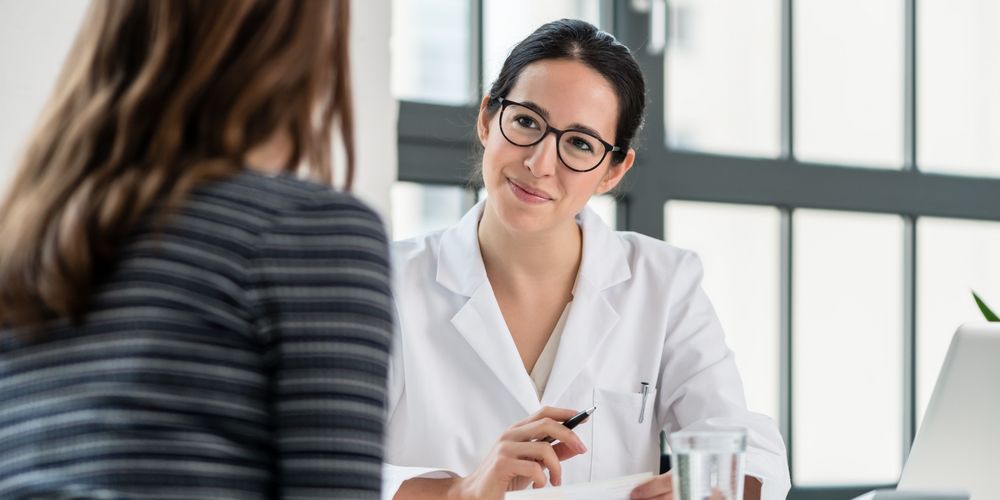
[645, 395]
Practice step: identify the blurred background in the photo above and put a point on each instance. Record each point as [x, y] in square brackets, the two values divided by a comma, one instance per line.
[836, 164]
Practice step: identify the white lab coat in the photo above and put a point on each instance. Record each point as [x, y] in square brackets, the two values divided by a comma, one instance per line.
[638, 315]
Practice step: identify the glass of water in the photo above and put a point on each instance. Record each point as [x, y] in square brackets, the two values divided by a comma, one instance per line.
[708, 465]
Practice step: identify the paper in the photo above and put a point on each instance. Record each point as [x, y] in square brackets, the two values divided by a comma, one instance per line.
[608, 489]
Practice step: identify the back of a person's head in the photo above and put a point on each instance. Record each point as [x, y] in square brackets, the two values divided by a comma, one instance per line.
[155, 98]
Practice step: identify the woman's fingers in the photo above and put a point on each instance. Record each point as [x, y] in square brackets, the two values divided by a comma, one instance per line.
[564, 451]
[661, 486]
[523, 452]
[522, 455]
[538, 452]
[558, 414]
[529, 469]
[543, 428]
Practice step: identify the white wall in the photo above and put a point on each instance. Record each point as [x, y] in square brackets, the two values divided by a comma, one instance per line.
[36, 34]
[34, 37]
[375, 109]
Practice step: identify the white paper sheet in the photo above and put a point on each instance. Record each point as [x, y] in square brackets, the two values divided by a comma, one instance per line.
[608, 489]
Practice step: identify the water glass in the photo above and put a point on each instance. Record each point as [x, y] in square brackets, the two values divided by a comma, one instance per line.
[708, 465]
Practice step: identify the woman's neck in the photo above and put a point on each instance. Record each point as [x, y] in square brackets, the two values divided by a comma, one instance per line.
[527, 262]
[270, 156]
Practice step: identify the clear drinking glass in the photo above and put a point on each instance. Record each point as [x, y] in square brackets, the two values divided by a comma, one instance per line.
[708, 465]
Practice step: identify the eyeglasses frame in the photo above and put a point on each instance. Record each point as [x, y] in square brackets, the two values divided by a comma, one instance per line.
[608, 147]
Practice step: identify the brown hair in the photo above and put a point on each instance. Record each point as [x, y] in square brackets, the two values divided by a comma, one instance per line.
[154, 99]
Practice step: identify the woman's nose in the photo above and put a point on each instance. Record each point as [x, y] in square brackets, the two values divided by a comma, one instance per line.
[544, 157]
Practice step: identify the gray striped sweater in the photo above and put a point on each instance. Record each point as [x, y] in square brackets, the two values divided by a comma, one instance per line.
[238, 352]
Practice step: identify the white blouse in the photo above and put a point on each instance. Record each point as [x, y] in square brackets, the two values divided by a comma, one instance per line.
[543, 366]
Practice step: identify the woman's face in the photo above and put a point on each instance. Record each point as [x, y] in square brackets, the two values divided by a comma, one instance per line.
[530, 189]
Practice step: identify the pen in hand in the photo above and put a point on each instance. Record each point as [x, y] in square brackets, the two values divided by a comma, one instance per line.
[574, 421]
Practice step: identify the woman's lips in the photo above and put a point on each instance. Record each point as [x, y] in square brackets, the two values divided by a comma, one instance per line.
[527, 195]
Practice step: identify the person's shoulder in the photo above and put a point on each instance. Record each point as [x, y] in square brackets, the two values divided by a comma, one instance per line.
[646, 251]
[417, 251]
[292, 193]
[641, 246]
[284, 196]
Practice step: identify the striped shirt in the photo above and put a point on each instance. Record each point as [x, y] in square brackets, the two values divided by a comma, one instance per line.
[240, 351]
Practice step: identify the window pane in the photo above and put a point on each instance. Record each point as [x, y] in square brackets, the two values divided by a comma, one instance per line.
[431, 59]
[847, 347]
[958, 78]
[722, 70]
[738, 245]
[849, 82]
[421, 208]
[506, 22]
[954, 257]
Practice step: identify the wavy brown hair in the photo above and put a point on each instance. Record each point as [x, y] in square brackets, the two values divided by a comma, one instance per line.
[155, 98]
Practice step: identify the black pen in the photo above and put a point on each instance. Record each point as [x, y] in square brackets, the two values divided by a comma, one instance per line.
[574, 421]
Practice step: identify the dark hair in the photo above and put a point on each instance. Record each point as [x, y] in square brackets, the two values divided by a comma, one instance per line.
[583, 42]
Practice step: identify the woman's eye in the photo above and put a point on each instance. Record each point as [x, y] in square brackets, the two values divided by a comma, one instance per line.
[525, 121]
[581, 144]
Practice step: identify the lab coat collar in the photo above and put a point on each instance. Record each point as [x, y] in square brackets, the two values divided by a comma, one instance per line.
[604, 263]
[591, 317]
[460, 263]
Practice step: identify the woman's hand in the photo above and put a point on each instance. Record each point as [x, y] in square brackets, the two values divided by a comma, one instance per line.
[660, 488]
[520, 457]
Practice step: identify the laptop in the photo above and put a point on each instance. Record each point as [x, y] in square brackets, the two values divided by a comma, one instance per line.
[958, 444]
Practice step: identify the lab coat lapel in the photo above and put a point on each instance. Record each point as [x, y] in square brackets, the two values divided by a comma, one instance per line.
[479, 321]
[481, 324]
[591, 316]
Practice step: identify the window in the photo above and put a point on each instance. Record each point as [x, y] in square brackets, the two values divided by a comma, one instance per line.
[432, 65]
[713, 44]
[959, 74]
[847, 328]
[848, 72]
[422, 208]
[506, 22]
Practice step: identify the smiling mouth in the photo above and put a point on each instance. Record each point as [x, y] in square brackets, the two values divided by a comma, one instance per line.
[526, 193]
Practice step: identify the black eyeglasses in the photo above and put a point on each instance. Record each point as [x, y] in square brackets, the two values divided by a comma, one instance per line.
[580, 151]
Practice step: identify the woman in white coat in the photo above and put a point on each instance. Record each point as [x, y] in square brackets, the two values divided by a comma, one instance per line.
[531, 308]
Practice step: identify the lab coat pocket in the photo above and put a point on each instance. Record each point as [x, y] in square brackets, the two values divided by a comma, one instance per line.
[622, 445]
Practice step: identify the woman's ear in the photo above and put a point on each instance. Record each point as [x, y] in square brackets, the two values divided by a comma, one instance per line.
[483, 122]
[615, 173]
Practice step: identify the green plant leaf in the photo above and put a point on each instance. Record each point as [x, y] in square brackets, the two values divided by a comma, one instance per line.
[990, 316]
